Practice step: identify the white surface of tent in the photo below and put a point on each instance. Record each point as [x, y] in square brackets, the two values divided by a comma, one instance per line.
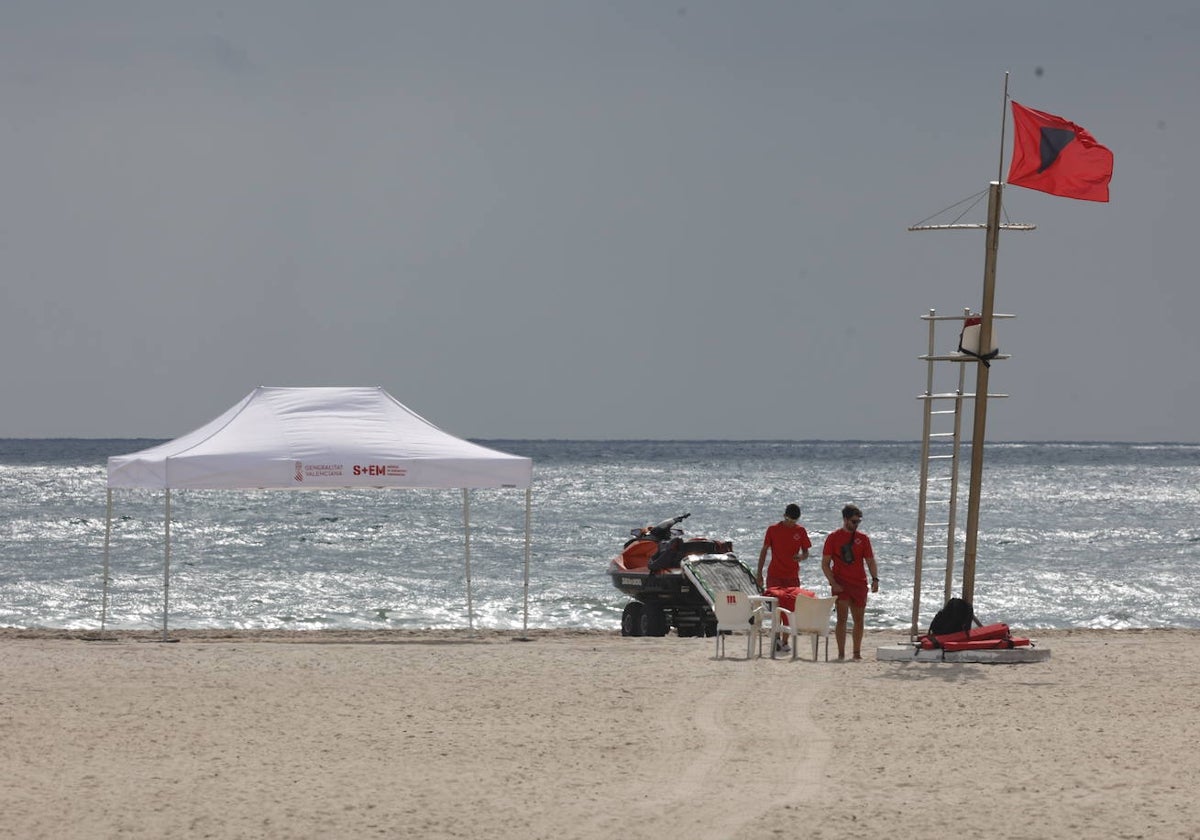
[317, 438]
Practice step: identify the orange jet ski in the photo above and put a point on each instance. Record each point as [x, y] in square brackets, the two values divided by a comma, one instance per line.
[650, 569]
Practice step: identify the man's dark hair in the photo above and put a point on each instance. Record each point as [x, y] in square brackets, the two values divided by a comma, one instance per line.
[850, 510]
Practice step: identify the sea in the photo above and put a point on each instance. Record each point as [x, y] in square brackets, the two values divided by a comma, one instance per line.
[1071, 535]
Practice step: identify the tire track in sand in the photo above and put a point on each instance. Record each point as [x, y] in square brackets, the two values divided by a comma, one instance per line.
[746, 766]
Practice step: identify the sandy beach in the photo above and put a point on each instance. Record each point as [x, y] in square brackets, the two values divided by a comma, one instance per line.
[589, 735]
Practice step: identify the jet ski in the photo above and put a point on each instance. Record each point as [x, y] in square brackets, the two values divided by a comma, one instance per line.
[671, 578]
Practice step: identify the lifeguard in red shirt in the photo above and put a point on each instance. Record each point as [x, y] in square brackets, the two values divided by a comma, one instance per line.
[788, 543]
[847, 550]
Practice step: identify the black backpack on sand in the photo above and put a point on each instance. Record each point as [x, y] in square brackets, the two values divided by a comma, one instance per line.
[956, 617]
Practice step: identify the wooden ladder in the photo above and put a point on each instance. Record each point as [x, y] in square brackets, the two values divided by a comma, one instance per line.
[941, 454]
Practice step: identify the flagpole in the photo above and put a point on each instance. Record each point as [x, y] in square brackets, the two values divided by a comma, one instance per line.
[986, 312]
[979, 429]
[1003, 128]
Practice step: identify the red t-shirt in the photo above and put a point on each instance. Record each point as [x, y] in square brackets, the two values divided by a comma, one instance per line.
[855, 571]
[786, 541]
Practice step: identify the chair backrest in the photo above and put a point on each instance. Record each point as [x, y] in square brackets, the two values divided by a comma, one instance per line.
[812, 614]
[732, 608]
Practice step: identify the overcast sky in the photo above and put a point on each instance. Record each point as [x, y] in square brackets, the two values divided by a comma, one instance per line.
[628, 219]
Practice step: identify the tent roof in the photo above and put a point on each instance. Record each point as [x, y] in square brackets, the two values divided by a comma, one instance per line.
[313, 438]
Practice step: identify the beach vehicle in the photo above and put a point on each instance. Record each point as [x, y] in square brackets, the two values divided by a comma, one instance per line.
[671, 577]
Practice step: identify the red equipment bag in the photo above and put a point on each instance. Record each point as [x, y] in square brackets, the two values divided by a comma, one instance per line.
[786, 596]
[989, 632]
[985, 644]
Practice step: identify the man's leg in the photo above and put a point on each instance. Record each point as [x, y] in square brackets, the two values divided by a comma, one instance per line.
[839, 631]
[859, 612]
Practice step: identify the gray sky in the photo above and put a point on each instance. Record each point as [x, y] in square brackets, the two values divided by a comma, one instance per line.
[587, 220]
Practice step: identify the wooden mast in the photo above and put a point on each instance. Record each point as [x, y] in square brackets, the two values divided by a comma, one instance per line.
[982, 368]
[979, 430]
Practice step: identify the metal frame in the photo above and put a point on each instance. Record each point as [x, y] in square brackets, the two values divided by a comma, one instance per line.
[106, 571]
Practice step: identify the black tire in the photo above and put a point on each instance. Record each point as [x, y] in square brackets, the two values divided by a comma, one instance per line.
[687, 631]
[710, 630]
[654, 621]
[631, 619]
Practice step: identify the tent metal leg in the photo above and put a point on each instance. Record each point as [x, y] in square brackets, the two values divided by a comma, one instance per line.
[166, 562]
[525, 605]
[104, 584]
[467, 544]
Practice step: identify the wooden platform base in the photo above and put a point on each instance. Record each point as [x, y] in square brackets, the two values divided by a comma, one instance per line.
[904, 652]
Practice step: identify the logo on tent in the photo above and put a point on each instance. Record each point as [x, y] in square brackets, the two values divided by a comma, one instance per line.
[379, 469]
[304, 471]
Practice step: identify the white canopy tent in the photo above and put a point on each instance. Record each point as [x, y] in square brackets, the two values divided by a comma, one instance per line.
[312, 439]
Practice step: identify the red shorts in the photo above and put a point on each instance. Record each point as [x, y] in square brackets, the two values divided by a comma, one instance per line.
[855, 593]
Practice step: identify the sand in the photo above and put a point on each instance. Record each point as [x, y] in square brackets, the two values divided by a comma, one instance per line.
[589, 735]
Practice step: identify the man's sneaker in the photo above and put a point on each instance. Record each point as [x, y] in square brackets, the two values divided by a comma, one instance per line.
[782, 647]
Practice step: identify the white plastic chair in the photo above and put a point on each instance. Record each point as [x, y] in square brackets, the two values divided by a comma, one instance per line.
[810, 617]
[735, 614]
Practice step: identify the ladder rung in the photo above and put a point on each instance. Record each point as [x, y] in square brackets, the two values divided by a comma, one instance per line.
[962, 317]
[941, 434]
[960, 357]
[940, 457]
[949, 396]
[939, 478]
[936, 524]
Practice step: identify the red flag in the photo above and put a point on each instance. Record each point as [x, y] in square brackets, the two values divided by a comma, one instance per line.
[1058, 157]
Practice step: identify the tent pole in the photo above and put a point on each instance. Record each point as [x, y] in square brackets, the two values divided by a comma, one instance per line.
[525, 618]
[166, 561]
[104, 585]
[467, 544]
